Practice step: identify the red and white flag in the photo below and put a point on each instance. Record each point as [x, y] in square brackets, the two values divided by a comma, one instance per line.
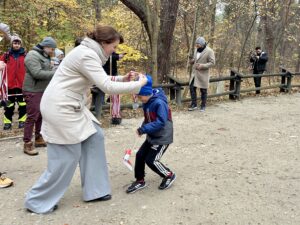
[115, 104]
[126, 159]
[3, 84]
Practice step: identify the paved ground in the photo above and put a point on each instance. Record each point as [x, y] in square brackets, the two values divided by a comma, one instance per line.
[237, 163]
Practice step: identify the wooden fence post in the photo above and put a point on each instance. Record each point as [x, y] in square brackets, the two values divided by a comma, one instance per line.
[232, 85]
[172, 90]
[98, 100]
[178, 95]
[289, 82]
[282, 89]
[237, 91]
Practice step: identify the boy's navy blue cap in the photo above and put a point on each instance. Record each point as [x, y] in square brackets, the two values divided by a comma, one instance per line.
[146, 90]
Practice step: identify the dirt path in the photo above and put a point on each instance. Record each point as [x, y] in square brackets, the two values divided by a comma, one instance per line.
[237, 163]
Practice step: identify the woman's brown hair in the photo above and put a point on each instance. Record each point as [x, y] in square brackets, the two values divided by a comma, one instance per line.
[106, 34]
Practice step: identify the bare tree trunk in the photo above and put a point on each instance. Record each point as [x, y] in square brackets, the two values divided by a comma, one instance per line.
[247, 35]
[213, 24]
[260, 35]
[193, 36]
[153, 24]
[284, 17]
[185, 29]
[97, 10]
[281, 31]
[167, 24]
[138, 7]
[298, 61]
[191, 47]
[159, 22]
[269, 42]
[282, 59]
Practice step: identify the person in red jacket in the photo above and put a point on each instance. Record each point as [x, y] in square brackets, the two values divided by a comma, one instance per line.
[14, 59]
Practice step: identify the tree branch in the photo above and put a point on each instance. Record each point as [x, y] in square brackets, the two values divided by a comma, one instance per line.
[138, 8]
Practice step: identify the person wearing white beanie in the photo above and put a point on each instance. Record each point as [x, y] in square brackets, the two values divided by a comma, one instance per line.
[15, 38]
[58, 57]
[59, 53]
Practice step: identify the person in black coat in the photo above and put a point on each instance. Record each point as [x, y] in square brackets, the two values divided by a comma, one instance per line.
[111, 68]
[258, 60]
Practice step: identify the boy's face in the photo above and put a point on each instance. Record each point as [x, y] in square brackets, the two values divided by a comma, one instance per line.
[16, 45]
[144, 99]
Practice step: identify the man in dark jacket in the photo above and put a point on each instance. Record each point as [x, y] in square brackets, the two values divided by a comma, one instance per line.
[158, 127]
[259, 61]
[39, 72]
[14, 60]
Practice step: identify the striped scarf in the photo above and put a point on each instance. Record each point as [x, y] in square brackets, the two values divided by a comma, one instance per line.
[3, 85]
[115, 102]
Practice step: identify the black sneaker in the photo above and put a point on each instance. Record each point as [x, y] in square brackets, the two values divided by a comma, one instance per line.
[116, 121]
[167, 182]
[192, 107]
[135, 186]
[7, 126]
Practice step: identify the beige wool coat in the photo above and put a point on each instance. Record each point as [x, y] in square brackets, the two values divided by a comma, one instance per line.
[206, 60]
[66, 119]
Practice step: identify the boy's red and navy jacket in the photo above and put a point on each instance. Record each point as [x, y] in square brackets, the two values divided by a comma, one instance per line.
[158, 123]
[15, 67]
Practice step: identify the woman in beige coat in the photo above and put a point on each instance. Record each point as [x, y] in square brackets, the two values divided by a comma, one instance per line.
[204, 58]
[72, 133]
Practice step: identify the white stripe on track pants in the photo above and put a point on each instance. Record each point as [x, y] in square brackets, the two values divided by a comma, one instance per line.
[150, 155]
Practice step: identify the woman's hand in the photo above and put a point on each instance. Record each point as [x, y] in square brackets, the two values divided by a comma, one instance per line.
[131, 76]
[143, 79]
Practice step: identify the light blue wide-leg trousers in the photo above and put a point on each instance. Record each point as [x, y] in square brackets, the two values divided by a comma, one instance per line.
[62, 163]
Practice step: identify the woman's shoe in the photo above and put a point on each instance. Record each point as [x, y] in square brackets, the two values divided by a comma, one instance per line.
[103, 198]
